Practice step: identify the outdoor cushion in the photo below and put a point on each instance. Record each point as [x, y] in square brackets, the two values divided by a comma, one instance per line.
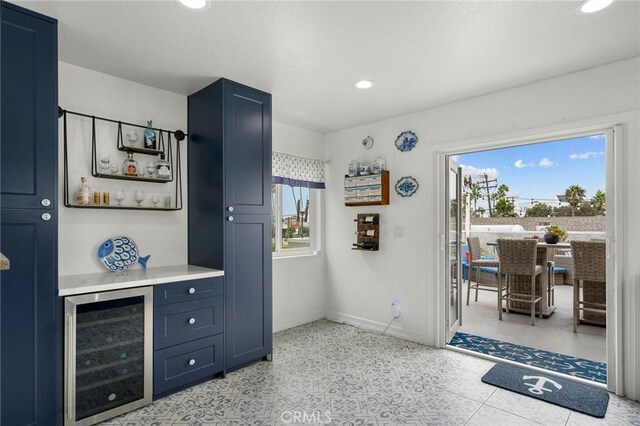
[487, 269]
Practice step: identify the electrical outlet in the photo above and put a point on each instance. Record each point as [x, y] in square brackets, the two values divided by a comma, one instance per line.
[395, 309]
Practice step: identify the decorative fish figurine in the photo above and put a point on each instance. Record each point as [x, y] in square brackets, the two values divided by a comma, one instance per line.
[120, 253]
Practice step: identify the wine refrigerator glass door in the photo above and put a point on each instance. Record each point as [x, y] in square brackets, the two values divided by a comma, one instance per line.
[107, 354]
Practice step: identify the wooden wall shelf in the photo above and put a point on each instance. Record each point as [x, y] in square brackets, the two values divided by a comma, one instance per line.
[368, 190]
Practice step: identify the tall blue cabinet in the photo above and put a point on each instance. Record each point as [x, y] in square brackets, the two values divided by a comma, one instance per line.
[230, 209]
[30, 351]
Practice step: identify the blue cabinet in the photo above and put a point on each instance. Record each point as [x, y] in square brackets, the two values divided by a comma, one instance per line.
[188, 340]
[30, 342]
[230, 209]
[29, 109]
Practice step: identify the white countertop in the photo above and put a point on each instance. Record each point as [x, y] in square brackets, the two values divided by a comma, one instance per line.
[104, 281]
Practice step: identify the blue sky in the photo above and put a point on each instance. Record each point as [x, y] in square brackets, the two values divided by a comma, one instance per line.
[541, 171]
[288, 203]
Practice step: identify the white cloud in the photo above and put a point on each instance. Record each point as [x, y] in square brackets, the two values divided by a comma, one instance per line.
[546, 162]
[519, 164]
[586, 155]
[475, 173]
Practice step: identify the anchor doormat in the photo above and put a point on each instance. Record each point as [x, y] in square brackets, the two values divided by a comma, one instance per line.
[574, 396]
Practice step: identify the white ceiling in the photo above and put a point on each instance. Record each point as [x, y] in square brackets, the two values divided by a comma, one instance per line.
[309, 54]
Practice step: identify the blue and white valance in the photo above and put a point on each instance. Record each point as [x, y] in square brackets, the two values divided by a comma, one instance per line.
[287, 169]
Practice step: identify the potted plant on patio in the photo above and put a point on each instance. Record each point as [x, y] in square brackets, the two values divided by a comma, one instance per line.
[554, 235]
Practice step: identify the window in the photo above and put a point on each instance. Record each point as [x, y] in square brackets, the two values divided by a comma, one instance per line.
[294, 224]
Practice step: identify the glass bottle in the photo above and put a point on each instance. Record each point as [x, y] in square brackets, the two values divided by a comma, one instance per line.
[149, 136]
[163, 168]
[130, 166]
[83, 193]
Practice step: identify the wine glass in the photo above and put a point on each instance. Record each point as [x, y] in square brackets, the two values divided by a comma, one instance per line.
[139, 197]
[150, 168]
[119, 196]
[132, 136]
[114, 169]
[155, 199]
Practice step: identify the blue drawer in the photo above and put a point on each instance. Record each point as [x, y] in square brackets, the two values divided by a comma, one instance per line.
[187, 363]
[182, 322]
[184, 291]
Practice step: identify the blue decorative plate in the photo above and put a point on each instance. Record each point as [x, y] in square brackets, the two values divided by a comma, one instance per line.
[406, 141]
[406, 186]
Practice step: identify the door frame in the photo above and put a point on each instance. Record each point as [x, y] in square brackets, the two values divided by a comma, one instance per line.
[615, 132]
[452, 165]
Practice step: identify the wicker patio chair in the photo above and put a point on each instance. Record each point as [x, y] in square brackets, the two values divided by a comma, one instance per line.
[589, 272]
[475, 263]
[518, 257]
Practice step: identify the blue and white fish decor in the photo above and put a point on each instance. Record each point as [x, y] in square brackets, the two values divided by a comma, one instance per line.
[406, 141]
[120, 253]
[406, 186]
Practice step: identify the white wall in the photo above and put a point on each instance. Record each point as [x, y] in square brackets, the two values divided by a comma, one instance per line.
[161, 234]
[361, 285]
[298, 282]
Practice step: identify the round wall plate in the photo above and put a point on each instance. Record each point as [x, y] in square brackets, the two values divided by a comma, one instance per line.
[367, 142]
[406, 141]
[406, 186]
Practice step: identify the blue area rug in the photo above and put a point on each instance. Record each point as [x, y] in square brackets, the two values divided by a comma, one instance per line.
[577, 367]
[574, 396]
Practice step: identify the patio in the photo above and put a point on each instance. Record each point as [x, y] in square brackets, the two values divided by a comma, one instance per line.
[554, 334]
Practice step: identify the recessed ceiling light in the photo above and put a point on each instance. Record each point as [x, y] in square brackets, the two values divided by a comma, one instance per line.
[194, 4]
[364, 84]
[591, 6]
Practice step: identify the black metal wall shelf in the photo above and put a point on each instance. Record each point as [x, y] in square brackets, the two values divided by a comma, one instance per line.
[176, 169]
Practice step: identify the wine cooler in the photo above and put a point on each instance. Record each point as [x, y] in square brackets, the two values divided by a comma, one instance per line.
[108, 354]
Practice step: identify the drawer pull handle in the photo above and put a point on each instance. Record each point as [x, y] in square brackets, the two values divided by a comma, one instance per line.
[192, 321]
[192, 362]
[192, 290]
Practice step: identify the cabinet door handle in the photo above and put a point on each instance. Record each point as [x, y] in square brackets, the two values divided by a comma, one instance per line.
[192, 290]
[192, 321]
[45, 202]
[230, 218]
[46, 216]
[230, 209]
[192, 362]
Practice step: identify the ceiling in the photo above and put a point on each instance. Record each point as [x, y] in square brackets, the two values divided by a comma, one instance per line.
[309, 54]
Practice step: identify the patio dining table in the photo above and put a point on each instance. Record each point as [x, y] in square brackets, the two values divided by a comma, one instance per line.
[523, 284]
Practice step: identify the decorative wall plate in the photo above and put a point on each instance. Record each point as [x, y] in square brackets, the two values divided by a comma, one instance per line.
[406, 141]
[406, 186]
[367, 142]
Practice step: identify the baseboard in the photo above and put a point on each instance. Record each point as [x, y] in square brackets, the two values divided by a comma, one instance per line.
[294, 322]
[393, 330]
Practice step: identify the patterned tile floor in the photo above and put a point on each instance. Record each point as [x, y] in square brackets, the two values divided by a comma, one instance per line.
[343, 375]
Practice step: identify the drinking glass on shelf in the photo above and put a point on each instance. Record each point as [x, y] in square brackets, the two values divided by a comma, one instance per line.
[105, 164]
[119, 196]
[150, 168]
[132, 136]
[114, 169]
[139, 197]
[155, 199]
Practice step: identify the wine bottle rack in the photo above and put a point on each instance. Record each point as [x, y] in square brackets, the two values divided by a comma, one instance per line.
[368, 232]
[163, 148]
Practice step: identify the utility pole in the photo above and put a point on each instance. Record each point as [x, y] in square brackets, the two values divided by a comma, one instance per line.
[489, 185]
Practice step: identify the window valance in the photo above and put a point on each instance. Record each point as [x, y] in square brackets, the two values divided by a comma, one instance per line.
[292, 170]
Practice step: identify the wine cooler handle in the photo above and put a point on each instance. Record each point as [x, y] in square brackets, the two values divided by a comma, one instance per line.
[70, 399]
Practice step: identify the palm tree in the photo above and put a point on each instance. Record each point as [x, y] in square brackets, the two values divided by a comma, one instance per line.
[475, 193]
[574, 195]
[599, 202]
